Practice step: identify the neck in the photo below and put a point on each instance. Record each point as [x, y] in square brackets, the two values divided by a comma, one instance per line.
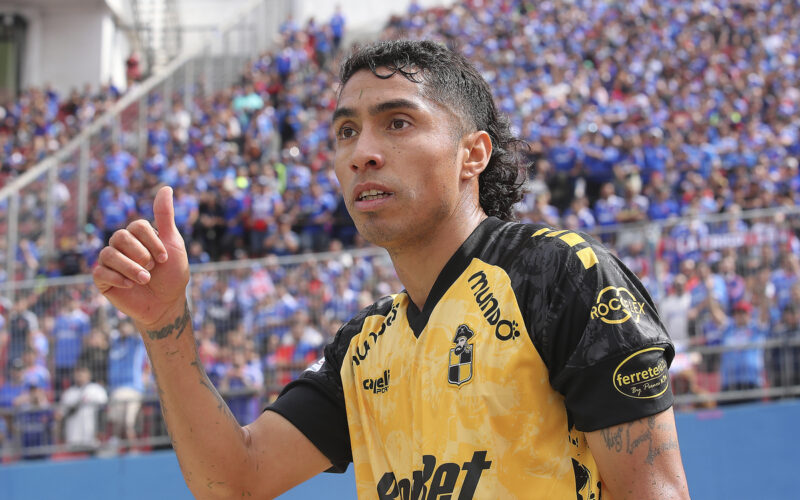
[419, 264]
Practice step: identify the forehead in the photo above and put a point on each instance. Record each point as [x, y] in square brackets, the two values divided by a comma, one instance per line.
[364, 89]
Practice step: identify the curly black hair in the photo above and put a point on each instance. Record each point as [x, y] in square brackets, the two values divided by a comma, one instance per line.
[450, 80]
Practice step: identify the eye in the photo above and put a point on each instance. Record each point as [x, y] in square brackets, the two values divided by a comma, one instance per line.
[398, 124]
[345, 132]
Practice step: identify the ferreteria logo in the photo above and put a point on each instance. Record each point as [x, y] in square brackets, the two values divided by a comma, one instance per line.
[503, 328]
[634, 381]
[460, 368]
[616, 305]
[432, 482]
[377, 385]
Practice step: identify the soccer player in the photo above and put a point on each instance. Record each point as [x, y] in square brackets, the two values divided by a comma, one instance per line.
[565, 391]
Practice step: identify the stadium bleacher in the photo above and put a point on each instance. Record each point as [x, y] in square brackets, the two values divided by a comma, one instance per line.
[668, 130]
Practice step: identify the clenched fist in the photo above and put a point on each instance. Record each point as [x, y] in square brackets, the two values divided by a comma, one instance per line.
[143, 271]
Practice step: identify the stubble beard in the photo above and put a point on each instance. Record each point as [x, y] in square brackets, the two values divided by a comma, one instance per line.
[399, 232]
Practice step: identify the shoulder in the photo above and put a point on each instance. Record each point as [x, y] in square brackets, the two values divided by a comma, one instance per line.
[380, 307]
[536, 254]
[337, 349]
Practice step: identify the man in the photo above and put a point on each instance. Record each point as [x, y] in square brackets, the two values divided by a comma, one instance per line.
[70, 327]
[126, 360]
[568, 392]
[33, 421]
[783, 361]
[78, 410]
[741, 367]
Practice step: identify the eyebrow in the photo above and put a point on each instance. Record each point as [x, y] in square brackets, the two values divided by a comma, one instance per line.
[377, 109]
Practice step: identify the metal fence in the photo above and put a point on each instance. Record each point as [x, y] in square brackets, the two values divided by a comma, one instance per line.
[258, 323]
[269, 318]
[49, 205]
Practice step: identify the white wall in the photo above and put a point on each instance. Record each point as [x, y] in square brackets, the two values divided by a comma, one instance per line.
[73, 42]
[72, 46]
[363, 17]
[70, 43]
[31, 58]
[199, 16]
[360, 15]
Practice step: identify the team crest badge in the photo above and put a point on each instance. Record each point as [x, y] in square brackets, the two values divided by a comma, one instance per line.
[461, 356]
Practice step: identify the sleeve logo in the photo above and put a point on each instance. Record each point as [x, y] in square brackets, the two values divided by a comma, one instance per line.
[317, 366]
[616, 305]
[634, 381]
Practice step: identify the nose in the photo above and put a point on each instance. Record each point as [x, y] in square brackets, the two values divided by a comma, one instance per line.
[367, 153]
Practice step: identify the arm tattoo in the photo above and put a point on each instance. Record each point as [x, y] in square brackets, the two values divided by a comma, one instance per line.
[623, 437]
[222, 406]
[612, 438]
[179, 324]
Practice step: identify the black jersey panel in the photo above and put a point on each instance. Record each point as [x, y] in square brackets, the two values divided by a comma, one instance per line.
[586, 313]
[307, 407]
[605, 346]
[618, 389]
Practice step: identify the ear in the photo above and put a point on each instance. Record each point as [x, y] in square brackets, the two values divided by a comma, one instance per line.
[478, 150]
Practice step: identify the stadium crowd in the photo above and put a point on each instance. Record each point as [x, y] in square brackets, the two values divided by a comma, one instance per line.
[635, 112]
[39, 122]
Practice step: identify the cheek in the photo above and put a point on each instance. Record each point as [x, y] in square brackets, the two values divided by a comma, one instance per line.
[340, 170]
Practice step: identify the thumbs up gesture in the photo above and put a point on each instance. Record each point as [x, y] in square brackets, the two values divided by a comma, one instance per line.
[144, 271]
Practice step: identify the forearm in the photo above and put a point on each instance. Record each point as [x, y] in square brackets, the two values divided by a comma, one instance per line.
[209, 442]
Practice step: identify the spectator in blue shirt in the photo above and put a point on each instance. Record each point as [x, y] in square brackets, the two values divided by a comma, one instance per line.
[741, 368]
[126, 361]
[663, 206]
[115, 209]
[70, 326]
[608, 206]
[337, 23]
[244, 383]
[316, 209]
[13, 385]
[34, 422]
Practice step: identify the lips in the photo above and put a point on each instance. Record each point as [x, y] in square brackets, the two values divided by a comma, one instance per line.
[372, 194]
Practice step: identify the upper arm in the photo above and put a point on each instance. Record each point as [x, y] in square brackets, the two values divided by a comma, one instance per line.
[281, 456]
[641, 459]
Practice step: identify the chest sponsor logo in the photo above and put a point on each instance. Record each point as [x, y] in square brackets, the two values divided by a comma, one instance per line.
[434, 482]
[616, 305]
[490, 306]
[460, 368]
[377, 385]
[636, 380]
[372, 338]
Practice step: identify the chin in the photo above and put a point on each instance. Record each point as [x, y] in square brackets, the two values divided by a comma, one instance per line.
[377, 231]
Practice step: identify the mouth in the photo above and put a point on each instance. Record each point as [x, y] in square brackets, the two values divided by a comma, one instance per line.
[372, 194]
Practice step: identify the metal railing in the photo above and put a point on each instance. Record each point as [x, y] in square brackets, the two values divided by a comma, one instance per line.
[250, 306]
[218, 295]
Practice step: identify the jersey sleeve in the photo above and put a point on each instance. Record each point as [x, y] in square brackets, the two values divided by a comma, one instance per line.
[314, 403]
[605, 347]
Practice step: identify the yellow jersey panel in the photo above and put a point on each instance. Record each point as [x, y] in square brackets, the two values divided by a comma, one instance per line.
[472, 395]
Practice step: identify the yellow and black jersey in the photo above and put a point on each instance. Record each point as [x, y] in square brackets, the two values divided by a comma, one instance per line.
[530, 337]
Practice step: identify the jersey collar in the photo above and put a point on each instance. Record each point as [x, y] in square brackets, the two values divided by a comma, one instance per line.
[475, 243]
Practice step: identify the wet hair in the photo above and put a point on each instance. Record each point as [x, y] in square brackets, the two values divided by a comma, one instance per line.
[449, 80]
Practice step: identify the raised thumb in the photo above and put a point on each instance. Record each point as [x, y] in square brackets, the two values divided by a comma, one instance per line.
[165, 213]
